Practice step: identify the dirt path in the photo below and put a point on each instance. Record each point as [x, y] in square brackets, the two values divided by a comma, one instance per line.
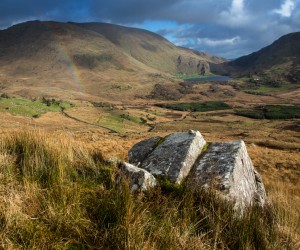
[96, 125]
[184, 116]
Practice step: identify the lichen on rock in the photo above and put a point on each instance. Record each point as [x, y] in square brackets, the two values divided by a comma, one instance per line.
[139, 152]
[139, 180]
[174, 157]
[227, 167]
[223, 166]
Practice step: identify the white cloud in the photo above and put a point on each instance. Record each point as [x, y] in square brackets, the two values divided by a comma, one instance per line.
[286, 8]
[182, 41]
[222, 42]
[237, 7]
[236, 15]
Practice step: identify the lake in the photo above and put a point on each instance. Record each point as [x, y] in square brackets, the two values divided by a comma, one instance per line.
[209, 79]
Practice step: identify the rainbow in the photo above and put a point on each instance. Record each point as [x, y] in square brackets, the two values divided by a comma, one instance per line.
[63, 51]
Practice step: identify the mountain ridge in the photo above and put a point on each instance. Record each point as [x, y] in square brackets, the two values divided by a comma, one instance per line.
[51, 55]
[280, 59]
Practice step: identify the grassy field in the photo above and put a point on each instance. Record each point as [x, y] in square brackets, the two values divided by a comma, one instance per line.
[263, 89]
[31, 108]
[58, 194]
[119, 122]
[57, 191]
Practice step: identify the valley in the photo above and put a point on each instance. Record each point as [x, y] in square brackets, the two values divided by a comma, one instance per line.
[115, 127]
[105, 87]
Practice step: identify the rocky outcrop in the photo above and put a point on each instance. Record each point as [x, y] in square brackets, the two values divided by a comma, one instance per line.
[227, 167]
[174, 157]
[192, 65]
[138, 179]
[224, 166]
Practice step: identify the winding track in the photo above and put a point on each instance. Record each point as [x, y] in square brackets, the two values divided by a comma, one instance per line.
[76, 119]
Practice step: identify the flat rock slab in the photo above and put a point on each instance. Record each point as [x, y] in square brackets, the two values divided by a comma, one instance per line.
[139, 152]
[227, 167]
[175, 155]
[138, 179]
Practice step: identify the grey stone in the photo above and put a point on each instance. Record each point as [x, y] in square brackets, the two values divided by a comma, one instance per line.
[260, 196]
[174, 157]
[227, 167]
[139, 152]
[224, 166]
[138, 179]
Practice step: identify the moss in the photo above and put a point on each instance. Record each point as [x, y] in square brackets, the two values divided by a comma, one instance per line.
[205, 147]
[169, 187]
[160, 141]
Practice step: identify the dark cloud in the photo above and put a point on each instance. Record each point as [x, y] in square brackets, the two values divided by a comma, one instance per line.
[182, 11]
[232, 34]
[15, 11]
[131, 10]
[228, 28]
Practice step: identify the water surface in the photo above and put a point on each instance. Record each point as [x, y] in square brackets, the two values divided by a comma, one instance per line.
[209, 79]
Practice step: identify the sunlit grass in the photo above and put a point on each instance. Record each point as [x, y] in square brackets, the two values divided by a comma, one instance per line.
[30, 108]
[119, 122]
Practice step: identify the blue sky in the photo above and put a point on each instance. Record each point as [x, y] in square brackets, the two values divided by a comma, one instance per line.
[227, 28]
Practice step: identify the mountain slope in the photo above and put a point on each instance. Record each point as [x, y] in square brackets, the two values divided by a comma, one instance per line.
[48, 57]
[281, 59]
[152, 49]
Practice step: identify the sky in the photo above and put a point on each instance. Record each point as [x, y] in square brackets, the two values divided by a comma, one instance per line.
[226, 28]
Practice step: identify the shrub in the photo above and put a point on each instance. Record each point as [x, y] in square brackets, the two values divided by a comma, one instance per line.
[197, 106]
[271, 112]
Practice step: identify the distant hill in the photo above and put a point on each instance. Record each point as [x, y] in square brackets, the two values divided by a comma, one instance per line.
[281, 59]
[48, 57]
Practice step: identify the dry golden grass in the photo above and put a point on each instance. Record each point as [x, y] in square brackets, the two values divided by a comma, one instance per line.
[286, 199]
[67, 203]
[57, 192]
[276, 165]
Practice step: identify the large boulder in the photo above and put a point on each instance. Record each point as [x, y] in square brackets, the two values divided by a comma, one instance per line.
[227, 167]
[174, 155]
[224, 166]
[139, 152]
[139, 180]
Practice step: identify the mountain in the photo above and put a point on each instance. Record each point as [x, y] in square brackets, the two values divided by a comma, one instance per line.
[152, 49]
[89, 58]
[280, 59]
